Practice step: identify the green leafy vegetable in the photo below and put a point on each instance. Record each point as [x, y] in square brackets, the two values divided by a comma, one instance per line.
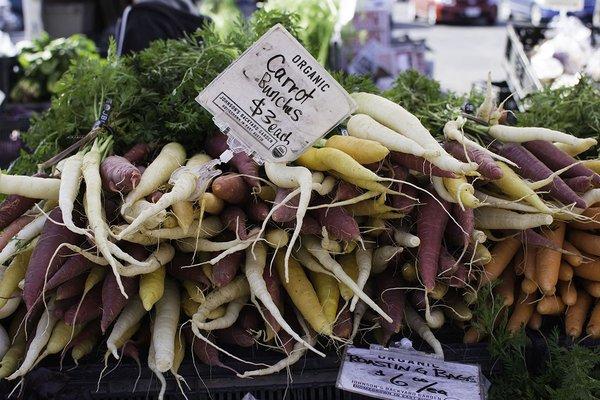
[43, 63]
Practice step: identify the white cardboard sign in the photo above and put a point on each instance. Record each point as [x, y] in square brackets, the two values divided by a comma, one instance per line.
[407, 375]
[276, 99]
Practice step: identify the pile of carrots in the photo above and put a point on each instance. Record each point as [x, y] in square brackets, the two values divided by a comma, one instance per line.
[381, 228]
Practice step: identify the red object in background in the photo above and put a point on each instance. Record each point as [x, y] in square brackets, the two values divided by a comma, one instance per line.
[456, 10]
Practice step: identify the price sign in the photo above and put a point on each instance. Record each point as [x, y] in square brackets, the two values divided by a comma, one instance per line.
[408, 375]
[275, 99]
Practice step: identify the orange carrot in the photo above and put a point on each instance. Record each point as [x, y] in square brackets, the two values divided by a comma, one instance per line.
[593, 213]
[568, 292]
[592, 287]
[521, 313]
[506, 288]
[502, 253]
[589, 270]
[529, 263]
[585, 241]
[528, 286]
[565, 273]
[576, 259]
[473, 335]
[548, 261]
[550, 305]
[535, 321]
[593, 326]
[519, 262]
[576, 314]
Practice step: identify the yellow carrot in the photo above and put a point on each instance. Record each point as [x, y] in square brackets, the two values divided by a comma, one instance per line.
[152, 287]
[328, 294]
[364, 151]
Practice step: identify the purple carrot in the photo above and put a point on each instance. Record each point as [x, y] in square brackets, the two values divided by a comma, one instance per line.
[532, 168]
[179, 268]
[226, 269]
[557, 159]
[417, 299]
[340, 224]
[234, 219]
[12, 208]
[580, 184]
[486, 164]
[71, 288]
[113, 300]
[74, 266]
[91, 308]
[431, 223]
[257, 210]
[40, 268]
[217, 144]
[391, 300]
[460, 235]
[274, 289]
[137, 154]
[235, 336]
[61, 306]
[310, 226]
[403, 202]
[119, 175]
[287, 212]
[447, 264]
[346, 191]
[420, 164]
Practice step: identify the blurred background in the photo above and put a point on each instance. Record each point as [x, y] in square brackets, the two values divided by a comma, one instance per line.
[522, 44]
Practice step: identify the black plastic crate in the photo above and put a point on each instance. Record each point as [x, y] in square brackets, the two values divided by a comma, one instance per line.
[312, 378]
[8, 74]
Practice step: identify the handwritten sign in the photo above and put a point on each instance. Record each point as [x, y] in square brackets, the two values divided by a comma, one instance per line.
[407, 375]
[276, 99]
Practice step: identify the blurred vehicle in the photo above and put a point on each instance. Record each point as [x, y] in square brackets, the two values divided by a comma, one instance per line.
[434, 11]
[536, 12]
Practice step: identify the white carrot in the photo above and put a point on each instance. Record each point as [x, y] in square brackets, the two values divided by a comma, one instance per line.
[364, 127]
[364, 261]
[165, 326]
[359, 312]
[405, 239]
[184, 181]
[25, 235]
[30, 186]
[232, 313]
[452, 131]
[93, 206]
[516, 134]
[43, 332]
[131, 315]
[488, 200]
[291, 178]
[314, 247]
[152, 366]
[495, 218]
[209, 227]
[397, 118]
[233, 290]
[138, 208]
[295, 356]
[309, 262]
[70, 180]
[161, 256]
[382, 256]
[255, 264]
[192, 245]
[416, 323]
[171, 157]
